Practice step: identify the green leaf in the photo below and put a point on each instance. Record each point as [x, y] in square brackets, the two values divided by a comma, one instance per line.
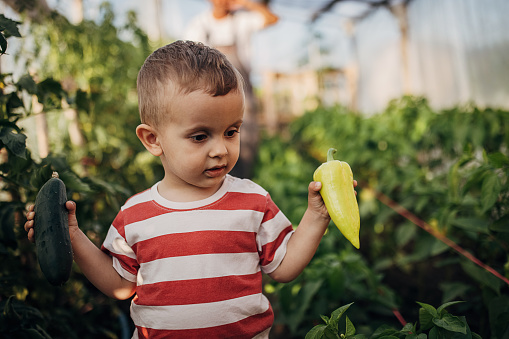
[438, 247]
[13, 103]
[404, 233]
[330, 333]
[409, 327]
[350, 328]
[482, 276]
[498, 160]
[74, 183]
[40, 175]
[451, 323]
[440, 333]
[316, 332]
[15, 142]
[501, 225]
[441, 309]
[459, 335]
[27, 83]
[472, 224]
[425, 319]
[490, 190]
[7, 235]
[453, 290]
[502, 325]
[433, 333]
[498, 314]
[306, 295]
[454, 178]
[430, 309]
[50, 93]
[9, 27]
[325, 318]
[3, 44]
[383, 330]
[338, 313]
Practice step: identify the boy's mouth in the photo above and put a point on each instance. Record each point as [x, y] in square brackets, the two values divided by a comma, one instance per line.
[216, 171]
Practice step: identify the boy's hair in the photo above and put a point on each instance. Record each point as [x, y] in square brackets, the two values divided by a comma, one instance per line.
[182, 67]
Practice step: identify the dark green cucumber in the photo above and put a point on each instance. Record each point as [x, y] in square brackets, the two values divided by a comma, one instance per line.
[52, 239]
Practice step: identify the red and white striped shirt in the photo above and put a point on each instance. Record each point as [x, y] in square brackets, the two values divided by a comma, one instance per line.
[198, 265]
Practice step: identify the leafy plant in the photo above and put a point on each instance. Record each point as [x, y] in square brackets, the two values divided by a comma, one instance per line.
[29, 306]
[433, 323]
[448, 170]
[8, 28]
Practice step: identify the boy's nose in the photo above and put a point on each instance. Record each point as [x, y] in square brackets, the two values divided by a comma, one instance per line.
[218, 149]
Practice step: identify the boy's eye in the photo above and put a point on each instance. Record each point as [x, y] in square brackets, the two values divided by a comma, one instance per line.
[231, 133]
[199, 137]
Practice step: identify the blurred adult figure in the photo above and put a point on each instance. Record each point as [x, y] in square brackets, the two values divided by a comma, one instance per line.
[229, 26]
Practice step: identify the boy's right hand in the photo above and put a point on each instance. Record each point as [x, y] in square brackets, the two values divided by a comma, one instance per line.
[73, 222]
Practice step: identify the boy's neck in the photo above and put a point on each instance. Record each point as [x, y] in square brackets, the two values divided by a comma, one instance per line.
[187, 193]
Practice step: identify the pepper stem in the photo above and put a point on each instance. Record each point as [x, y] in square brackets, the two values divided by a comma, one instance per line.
[330, 154]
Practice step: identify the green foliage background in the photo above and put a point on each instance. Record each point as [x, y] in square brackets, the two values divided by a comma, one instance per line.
[449, 168]
[92, 70]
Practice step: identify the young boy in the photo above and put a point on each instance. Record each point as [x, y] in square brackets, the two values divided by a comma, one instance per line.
[194, 246]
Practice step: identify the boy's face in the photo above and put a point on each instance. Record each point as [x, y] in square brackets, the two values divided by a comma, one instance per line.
[201, 141]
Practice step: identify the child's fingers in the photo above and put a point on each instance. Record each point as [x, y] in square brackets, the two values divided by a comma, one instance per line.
[30, 215]
[315, 186]
[29, 225]
[314, 197]
[71, 208]
[31, 236]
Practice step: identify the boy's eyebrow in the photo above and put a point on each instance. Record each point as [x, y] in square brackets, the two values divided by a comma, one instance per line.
[206, 128]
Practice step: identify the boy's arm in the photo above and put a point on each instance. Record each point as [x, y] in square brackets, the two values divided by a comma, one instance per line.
[96, 265]
[304, 242]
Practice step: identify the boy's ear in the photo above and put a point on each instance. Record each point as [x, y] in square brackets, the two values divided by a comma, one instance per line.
[148, 137]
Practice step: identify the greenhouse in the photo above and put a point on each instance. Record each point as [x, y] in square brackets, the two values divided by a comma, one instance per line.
[412, 96]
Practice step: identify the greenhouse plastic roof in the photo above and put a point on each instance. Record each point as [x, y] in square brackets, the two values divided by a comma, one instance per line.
[344, 8]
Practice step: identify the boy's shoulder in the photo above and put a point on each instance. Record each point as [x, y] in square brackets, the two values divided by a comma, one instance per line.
[145, 199]
[245, 186]
[138, 198]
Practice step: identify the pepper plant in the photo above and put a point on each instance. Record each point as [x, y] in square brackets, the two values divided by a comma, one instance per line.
[434, 206]
[434, 323]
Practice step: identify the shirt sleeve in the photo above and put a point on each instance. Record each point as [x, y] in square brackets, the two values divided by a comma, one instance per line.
[273, 236]
[115, 245]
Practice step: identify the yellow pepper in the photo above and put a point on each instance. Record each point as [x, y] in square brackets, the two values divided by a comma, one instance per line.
[339, 196]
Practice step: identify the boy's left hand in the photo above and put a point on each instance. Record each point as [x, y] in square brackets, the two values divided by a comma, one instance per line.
[315, 201]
